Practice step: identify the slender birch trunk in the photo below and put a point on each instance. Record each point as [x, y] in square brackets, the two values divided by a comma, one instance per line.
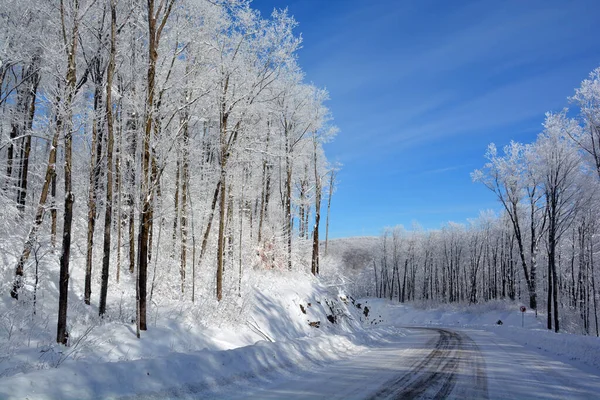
[61, 331]
[94, 179]
[330, 194]
[156, 23]
[109, 159]
[315, 250]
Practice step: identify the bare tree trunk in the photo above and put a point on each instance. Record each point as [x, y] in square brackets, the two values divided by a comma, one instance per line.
[549, 300]
[39, 216]
[14, 133]
[302, 213]
[94, 182]
[210, 221]
[533, 252]
[118, 184]
[594, 294]
[555, 293]
[26, 151]
[137, 303]
[306, 219]
[242, 202]
[131, 127]
[176, 207]
[131, 208]
[147, 186]
[315, 249]
[265, 186]
[26, 143]
[229, 225]
[331, 189]
[288, 208]
[376, 283]
[193, 253]
[220, 191]
[221, 237]
[109, 160]
[226, 140]
[53, 211]
[403, 297]
[155, 263]
[184, 198]
[142, 273]
[61, 331]
[154, 191]
[17, 127]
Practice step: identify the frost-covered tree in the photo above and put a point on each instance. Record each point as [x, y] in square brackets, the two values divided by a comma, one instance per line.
[558, 164]
[165, 116]
[510, 179]
[587, 98]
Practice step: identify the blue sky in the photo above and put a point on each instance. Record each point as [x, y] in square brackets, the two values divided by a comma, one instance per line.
[419, 89]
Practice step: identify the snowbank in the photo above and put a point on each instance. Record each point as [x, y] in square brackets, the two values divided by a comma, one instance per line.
[290, 321]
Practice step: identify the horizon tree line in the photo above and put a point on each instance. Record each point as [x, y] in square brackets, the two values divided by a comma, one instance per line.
[544, 241]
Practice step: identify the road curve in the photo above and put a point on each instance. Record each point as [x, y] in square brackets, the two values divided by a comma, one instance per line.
[454, 357]
[410, 363]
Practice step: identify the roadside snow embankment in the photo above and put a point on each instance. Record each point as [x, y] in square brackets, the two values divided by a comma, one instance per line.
[288, 322]
[176, 374]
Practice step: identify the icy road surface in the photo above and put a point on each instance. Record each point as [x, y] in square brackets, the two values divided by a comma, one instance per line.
[432, 363]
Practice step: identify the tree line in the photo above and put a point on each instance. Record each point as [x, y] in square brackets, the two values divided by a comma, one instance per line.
[168, 142]
[541, 248]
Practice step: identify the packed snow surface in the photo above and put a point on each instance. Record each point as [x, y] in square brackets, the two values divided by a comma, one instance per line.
[373, 349]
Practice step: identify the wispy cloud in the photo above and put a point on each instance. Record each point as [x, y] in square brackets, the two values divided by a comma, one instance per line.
[443, 170]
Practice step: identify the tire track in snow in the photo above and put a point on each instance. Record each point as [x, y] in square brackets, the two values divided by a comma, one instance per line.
[436, 375]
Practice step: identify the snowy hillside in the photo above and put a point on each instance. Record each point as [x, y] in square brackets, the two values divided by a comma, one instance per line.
[346, 258]
[289, 320]
[351, 254]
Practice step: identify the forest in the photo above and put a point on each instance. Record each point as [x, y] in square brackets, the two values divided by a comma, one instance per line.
[152, 151]
[540, 249]
[161, 152]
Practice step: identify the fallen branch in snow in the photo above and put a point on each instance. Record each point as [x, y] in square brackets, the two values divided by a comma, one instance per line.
[256, 329]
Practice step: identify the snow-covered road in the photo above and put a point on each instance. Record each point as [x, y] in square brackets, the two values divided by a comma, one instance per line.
[445, 353]
[431, 363]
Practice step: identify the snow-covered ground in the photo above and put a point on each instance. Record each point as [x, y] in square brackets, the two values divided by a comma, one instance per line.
[274, 352]
[185, 352]
[525, 329]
